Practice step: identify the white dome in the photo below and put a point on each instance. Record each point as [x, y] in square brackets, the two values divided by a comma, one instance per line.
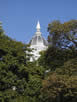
[37, 39]
[37, 43]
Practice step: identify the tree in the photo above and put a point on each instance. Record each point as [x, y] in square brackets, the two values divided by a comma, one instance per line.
[69, 68]
[63, 35]
[54, 58]
[59, 88]
[20, 80]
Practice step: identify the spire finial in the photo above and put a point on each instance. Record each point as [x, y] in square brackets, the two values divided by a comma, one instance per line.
[38, 26]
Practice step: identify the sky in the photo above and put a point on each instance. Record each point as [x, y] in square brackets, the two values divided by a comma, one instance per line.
[19, 17]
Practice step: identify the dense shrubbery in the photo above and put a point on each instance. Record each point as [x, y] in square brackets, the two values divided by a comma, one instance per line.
[20, 80]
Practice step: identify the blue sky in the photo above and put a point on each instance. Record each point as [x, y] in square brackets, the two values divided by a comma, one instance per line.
[19, 17]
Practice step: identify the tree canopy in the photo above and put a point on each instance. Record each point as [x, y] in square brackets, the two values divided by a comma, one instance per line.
[52, 78]
[19, 79]
[63, 35]
[60, 62]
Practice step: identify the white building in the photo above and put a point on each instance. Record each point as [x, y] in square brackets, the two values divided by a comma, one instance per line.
[37, 43]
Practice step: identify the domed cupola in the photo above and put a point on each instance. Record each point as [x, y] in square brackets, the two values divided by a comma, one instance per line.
[38, 43]
[37, 38]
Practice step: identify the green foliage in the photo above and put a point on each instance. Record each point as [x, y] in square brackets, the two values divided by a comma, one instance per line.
[69, 68]
[59, 88]
[60, 83]
[55, 57]
[24, 81]
[63, 35]
[16, 71]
